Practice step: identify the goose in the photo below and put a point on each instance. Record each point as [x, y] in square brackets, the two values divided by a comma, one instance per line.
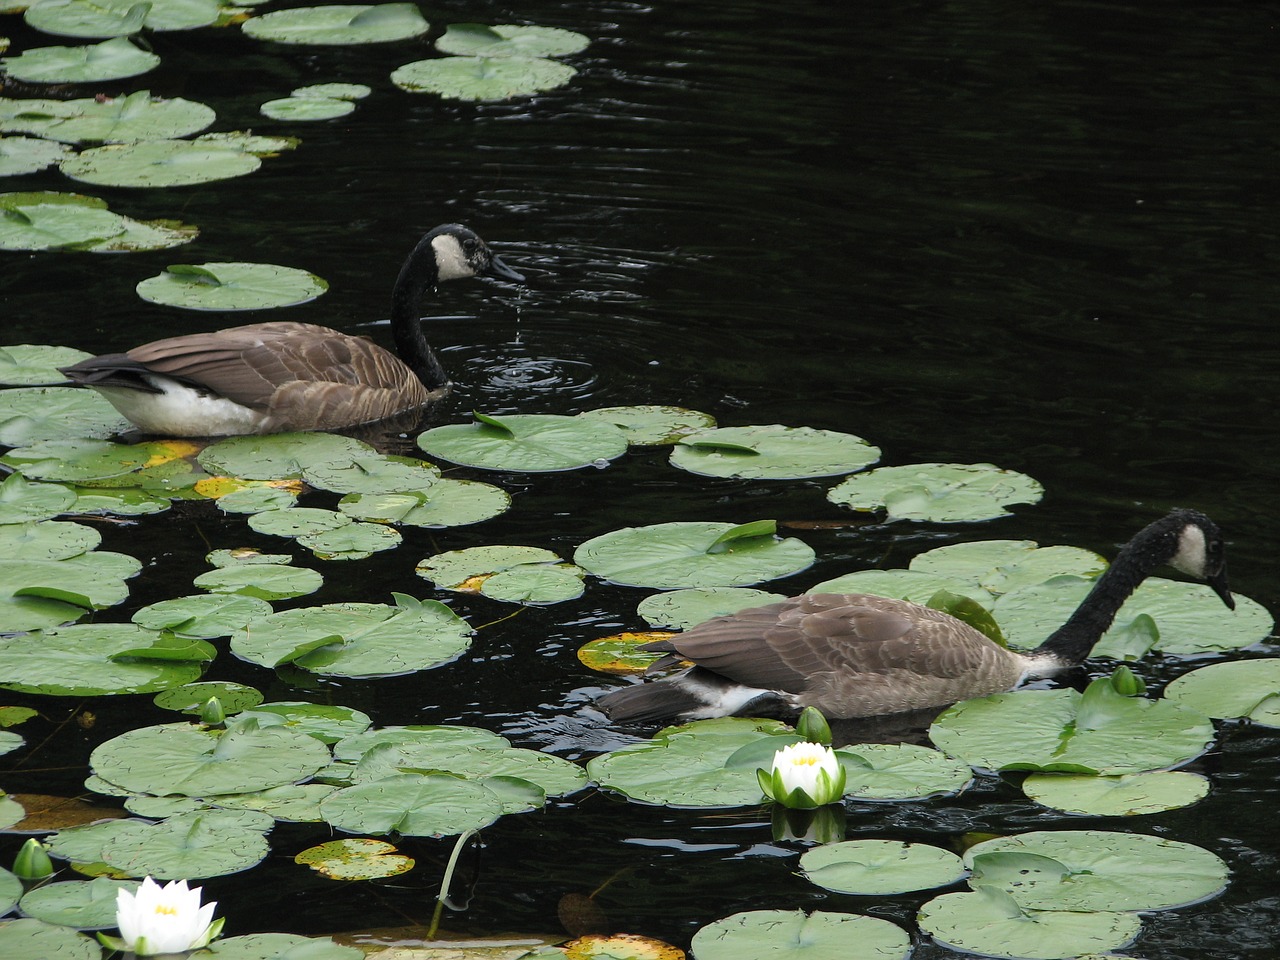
[855, 655]
[284, 376]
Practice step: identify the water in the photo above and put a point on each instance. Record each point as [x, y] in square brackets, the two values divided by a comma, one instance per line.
[1036, 235]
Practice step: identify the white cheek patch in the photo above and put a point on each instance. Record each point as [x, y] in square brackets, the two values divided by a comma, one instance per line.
[451, 261]
[1192, 552]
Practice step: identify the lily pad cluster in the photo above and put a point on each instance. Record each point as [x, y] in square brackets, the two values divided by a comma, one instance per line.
[73, 222]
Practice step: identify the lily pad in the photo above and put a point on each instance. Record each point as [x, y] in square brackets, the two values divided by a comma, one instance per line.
[445, 503]
[207, 843]
[267, 581]
[1063, 731]
[333, 91]
[788, 934]
[881, 867]
[939, 492]
[1243, 688]
[31, 939]
[339, 25]
[648, 425]
[306, 108]
[85, 905]
[328, 723]
[28, 363]
[684, 554]
[357, 639]
[119, 18]
[22, 501]
[914, 585]
[372, 473]
[99, 660]
[433, 805]
[231, 286]
[900, 771]
[482, 78]
[988, 922]
[283, 946]
[1125, 796]
[360, 859]
[158, 163]
[509, 40]
[682, 609]
[191, 697]
[1000, 566]
[52, 226]
[46, 540]
[126, 119]
[527, 442]
[20, 155]
[1097, 870]
[204, 615]
[772, 452]
[112, 59]
[31, 414]
[281, 456]
[621, 653]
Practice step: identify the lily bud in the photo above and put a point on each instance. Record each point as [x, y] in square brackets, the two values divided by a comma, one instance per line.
[32, 862]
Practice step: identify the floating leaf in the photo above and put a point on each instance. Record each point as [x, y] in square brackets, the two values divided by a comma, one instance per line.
[940, 492]
[357, 639]
[189, 846]
[999, 566]
[119, 18]
[112, 59]
[412, 805]
[772, 452]
[526, 442]
[284, 946]
[456, 569]
[32, 939]
[46, 540]
[20, 155]
[482, 78]
[900, 771]
[334, 91]
[24, 502]
[508, 40]
[127, 119]
[52, 226]
[1063, 731]
[158, 163]
[777, 934]
[373, 473]
[355, 860]
[191, 697]
[31, 414]
[231, 286]
[670, 555]
[880, 867]
[339, 25]
[281, 456]
[267, 581]
[85, 905]
[652, 425]
[1126, 796]
[204, 616]
[98, 660]
[182, 759]
[913, 585]
[1243, 688]
[621, 653]
[445, 503]
[682, 609]
[27, 363]
[987, 922]
[306, 108]
[1098, 870]
[328, 723]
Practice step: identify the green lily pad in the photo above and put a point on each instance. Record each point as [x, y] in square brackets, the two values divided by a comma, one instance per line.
[372, 473]
[204, 615]
[295, 803]
[112, 59]
[89, 461]
[508, 40]
[31, 414]
[52, 226]
[281, 456]
[795, 935]
[1126, 796]
[158, 163]
[10, 886]
[339, 25]
[25, 502]
[328, 723]
[119, 18]
[880, 867]
[1063, 731]
[306, 108]
[357, 639]
[326, 533]
[772, 452]
[283, 946]
[528, 442]
[231, 286]
[1243, 688]
[648, 425]
[482, 78]
[445, 503]
[682, 609]
[684, 766]
[682, 554]
[207, 843]
[939, 492]
[900, 771]
[914, 585]
[32, 939]
[126, 119]
[20, 155]
[187, 760]
[989, 923]
[1097, 870]
[27, 363]
[454, 570]
[1000, 566]
[126, 502]
[46, 540]
[333, 91]
[99, 660]
[433, 805]
[267, 581]
[85, 905]
[191, 697]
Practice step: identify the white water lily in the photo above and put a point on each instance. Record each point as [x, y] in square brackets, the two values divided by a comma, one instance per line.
[804, 775]
[167, 919]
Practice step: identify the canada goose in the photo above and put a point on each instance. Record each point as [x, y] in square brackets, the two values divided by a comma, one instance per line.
[855, 655]
[275, 377]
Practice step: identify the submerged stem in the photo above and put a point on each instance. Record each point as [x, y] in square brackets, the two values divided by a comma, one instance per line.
[446, 881]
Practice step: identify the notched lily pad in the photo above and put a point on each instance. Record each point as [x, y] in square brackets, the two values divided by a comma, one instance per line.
[509, 40]
[527, 442]
[339, 25]
[482, 78]
[939, 492]
[231, 286]
[112, 59]
[158, 163]
[773, 452]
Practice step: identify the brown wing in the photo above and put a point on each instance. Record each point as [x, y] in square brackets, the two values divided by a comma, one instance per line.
[303, 374]
[786, 645]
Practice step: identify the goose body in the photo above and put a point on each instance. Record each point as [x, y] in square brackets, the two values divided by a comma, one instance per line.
[856, 655]
[282, 376]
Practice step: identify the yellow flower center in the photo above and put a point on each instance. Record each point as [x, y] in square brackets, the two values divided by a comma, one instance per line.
[167, 910]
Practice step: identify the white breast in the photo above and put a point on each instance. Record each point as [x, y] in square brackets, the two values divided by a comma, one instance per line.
[180, 411]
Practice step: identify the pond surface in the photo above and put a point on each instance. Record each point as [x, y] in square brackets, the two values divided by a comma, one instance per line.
[1042, 236]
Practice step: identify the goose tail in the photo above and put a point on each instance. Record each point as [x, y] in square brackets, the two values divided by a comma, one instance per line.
[694, 694]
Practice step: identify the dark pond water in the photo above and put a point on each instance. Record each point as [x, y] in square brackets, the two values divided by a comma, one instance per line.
[1041, 235]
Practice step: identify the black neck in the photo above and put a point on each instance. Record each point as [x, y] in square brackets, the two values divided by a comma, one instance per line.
[1072, 641]
[417, 277]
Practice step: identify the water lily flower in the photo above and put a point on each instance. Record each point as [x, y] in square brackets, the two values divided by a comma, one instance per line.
[804, 775]
[167, 919]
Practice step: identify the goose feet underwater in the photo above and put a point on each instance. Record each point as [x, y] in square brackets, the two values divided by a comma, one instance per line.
[856, 655]
[282, 376]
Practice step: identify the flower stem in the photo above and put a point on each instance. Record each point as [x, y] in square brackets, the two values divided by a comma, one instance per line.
[446, 881]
